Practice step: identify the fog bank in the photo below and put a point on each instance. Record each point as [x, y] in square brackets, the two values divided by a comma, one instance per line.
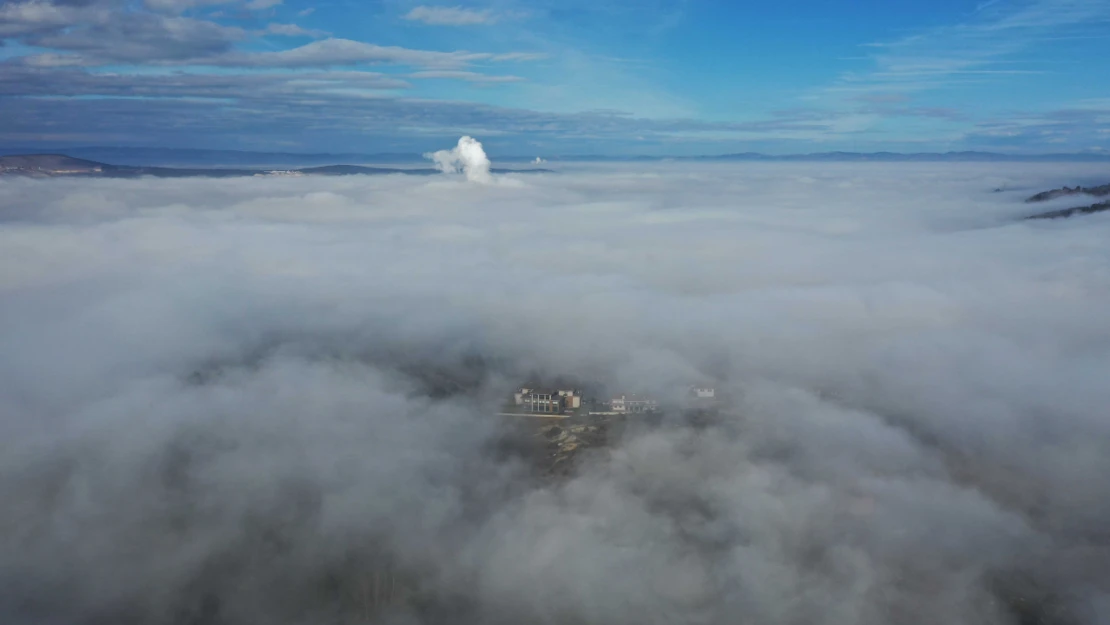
[270, 400]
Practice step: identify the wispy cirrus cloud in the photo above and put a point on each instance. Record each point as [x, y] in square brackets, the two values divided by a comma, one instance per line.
[451, 16]
[111, 32]
[907, 91]
[940, 80]
[293, 30]
[339, 52]
[473, 77]
[28, 19]
[177, 7]
[159, 52]
[337, 106]
[51, 60]
[47, 77]
[144, 38]
[989, 44]
[1081, 126]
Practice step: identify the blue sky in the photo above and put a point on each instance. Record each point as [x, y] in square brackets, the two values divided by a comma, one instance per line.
[558, 77]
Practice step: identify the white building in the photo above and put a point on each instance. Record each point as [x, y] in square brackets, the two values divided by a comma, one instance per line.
[541, 401]
[630, 404]
[704, 392]
[572, 398]
[281, 172]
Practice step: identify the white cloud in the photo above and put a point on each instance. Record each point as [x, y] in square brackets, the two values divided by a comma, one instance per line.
[180, 6]
[259, 5]
[48, 60]
[293, 30]
[518, 56]
[465, 75]
[347, 52]
[29, 18]
[450, 16]
[998, 32]
[251, 398]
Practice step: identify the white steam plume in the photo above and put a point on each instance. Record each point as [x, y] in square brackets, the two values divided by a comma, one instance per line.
[467, 157]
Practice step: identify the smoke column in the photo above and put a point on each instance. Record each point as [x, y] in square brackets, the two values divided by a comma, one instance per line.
[467, 157]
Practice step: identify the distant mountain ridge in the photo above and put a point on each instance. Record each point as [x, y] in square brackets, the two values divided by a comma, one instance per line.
[171, 157]
[61, 165]
[966, 156]
[185, 157]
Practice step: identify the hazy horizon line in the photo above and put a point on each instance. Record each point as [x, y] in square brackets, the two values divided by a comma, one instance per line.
[419, 156]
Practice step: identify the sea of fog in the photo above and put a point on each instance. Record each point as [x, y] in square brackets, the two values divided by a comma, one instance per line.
[252, 400]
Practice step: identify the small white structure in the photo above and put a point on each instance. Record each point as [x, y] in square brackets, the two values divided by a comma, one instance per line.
[704, 392]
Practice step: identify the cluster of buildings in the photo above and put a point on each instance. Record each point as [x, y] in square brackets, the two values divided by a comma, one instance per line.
[280, 172]
[631, 404]
[45, 171]
[569, 402]
[541, 401]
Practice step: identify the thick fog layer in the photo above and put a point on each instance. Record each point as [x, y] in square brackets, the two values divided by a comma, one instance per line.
[270, 400]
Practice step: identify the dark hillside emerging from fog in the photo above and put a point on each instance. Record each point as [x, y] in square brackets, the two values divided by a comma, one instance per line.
[1099, 191]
